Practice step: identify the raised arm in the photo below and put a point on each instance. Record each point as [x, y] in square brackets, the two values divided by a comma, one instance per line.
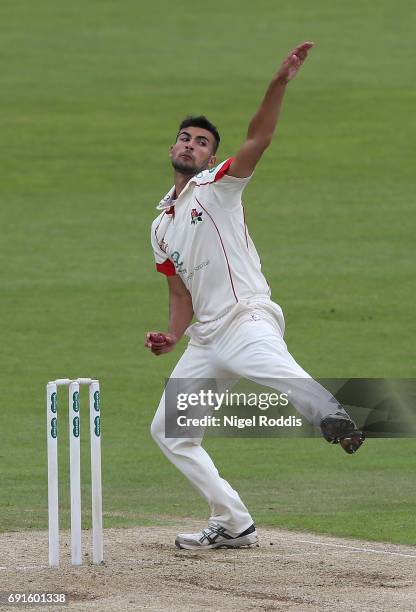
[180, 316]
[263, 124]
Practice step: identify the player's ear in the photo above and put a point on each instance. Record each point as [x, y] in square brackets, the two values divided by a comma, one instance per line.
[212, 161]
[170, 150]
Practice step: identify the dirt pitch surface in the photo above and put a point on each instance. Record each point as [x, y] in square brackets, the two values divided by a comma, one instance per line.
[143, 571]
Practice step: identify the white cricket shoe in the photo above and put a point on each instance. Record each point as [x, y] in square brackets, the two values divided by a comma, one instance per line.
[216, 536]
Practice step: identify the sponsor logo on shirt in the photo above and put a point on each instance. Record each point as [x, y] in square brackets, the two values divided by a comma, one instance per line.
[163, 246]
[195, 216]
[197, 268]
[176, 256]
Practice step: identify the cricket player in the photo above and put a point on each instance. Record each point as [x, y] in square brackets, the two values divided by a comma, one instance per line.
[202, 246]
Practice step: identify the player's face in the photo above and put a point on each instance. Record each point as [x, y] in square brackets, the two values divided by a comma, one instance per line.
[193, 151]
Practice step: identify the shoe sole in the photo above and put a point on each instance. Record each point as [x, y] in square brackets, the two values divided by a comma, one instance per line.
[244, 542]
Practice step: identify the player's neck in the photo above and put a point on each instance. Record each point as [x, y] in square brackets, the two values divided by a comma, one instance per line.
[180, 181]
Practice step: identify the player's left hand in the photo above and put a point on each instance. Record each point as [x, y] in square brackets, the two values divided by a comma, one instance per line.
[293, 62]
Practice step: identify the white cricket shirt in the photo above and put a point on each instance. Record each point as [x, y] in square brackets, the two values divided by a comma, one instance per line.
[202, 237]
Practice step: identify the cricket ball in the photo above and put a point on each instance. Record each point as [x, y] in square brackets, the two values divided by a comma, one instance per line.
[157, 338]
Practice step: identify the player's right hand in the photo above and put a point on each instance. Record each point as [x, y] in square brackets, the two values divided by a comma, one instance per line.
[291, 64]
[160, 343]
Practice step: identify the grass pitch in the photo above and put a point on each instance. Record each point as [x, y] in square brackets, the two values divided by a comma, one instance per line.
[91, 98]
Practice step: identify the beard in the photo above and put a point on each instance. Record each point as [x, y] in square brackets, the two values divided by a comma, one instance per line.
[187, 167]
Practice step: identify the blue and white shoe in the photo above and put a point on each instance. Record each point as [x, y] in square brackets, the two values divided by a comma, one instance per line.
[216, 536]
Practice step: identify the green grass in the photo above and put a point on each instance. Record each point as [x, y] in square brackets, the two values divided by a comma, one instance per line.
[91, 97]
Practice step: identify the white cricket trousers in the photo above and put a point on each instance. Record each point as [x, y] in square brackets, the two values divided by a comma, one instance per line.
[250, 347]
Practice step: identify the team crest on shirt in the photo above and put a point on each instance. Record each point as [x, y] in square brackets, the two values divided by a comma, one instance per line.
[195, 216]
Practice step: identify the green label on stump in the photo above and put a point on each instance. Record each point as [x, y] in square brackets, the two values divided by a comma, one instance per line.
[75, 401]
[54, 402]
[54, 427]
[75, 426]
[97, 401]
[97, 426]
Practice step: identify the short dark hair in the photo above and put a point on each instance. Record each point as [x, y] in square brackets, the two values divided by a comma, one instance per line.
[202, 122]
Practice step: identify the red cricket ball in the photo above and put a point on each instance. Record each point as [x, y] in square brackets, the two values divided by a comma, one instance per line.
[157, 338]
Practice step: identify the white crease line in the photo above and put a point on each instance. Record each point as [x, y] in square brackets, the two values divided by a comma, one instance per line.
[356, 548]
[264, 557]
[225, 558]
[27, 567]
[24, 567]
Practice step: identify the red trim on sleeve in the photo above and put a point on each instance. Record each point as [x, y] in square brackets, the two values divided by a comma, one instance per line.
[166, 268]
[224, 168]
